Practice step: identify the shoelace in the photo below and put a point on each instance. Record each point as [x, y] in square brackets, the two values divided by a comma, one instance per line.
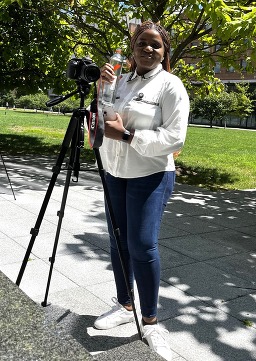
[157, 335]
[115, 301]
[116, 307]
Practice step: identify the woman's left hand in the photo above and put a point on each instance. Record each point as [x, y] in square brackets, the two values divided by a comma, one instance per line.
[114, 129]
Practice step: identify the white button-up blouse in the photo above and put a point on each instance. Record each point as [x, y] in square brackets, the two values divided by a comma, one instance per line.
[156, 106]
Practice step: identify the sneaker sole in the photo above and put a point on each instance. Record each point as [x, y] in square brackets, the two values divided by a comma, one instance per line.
[108, 328]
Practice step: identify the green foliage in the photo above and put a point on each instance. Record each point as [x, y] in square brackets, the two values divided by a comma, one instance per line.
[67, 105]
[215, 107]
[41, 36]
[38, 102]
[196, 83]
[244, 103]
[8, 97]
[35, 44]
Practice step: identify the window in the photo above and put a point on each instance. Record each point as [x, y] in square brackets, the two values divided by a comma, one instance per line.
[243, 64]
[231, 69]
[206, 47]
[217, 67]
[207, 26]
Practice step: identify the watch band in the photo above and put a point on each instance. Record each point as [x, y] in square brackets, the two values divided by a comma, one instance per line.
[126, 135]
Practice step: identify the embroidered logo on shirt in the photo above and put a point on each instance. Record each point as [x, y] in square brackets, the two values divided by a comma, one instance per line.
[139, 98]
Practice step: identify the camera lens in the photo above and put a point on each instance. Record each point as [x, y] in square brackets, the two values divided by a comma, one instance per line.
[90, 73]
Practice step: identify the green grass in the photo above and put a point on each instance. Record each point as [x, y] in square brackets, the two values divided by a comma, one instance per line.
[218, 158]
[211, 158]
[35, 133]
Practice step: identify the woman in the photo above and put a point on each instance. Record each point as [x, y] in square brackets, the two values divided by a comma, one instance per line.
[152, 108]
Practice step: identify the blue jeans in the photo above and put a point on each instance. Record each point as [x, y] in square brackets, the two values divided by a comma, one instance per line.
[138, 205]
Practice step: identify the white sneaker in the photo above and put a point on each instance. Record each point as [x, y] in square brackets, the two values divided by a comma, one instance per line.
[156, 338]
[116, 316]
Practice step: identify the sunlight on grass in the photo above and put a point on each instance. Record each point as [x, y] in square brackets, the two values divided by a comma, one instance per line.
[218, 158]
[35, 133]
[38, 130]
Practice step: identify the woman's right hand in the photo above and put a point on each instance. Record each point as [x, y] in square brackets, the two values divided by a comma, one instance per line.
[107, 73]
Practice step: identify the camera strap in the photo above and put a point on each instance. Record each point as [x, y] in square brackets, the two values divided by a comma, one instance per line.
[95, 120]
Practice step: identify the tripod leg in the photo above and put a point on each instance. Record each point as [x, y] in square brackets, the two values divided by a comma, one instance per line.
[56, 169]
[8, 177]
[116, 232]
[60, 215]
[74, 166]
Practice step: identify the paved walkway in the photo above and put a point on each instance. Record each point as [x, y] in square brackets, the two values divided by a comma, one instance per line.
[208, 250]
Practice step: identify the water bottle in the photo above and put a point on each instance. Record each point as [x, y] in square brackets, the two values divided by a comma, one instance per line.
[109, 89]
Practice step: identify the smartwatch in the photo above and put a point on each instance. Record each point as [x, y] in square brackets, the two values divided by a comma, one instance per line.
[126, 135]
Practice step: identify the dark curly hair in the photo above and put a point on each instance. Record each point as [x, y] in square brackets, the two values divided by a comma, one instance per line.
[164, 35]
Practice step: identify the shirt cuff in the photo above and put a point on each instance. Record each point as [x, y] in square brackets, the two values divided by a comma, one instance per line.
[138, 141]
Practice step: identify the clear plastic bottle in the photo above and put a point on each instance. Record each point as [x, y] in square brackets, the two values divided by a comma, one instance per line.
[109, 89]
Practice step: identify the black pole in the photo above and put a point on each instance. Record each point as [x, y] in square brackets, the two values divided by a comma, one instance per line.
[116, 232]
[8, 177]
[56, 169]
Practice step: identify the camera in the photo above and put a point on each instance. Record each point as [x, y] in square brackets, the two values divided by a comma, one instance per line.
[83, 69]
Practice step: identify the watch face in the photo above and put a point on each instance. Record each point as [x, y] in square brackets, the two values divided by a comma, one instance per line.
[126, 135]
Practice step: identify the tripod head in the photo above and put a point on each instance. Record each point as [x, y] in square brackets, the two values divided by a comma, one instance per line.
[83, 88]
[95, 121]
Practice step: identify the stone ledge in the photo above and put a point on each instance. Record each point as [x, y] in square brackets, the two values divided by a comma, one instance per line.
[134, 351]
[27, 334]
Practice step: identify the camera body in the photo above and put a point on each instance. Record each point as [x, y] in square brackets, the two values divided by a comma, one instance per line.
[83, 69]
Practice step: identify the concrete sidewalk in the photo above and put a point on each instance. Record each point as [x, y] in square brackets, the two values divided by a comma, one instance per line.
[208, 250]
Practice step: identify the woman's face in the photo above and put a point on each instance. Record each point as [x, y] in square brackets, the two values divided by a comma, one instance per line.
[148, 51]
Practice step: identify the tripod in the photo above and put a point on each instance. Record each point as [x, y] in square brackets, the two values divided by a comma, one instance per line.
[74, 138]
[8, 176]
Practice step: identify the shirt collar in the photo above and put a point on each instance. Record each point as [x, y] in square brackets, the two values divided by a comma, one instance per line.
[148, 74]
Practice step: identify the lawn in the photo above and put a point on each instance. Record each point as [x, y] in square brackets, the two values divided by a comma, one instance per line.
[211, 158]
[218, 158]
[35, 133]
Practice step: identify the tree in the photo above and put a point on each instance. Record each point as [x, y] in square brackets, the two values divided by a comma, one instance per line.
[253, 99]
[38, 101]
[34, 45]
[40, 37]
[245, 104]
[213, 107]
[9, 97]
